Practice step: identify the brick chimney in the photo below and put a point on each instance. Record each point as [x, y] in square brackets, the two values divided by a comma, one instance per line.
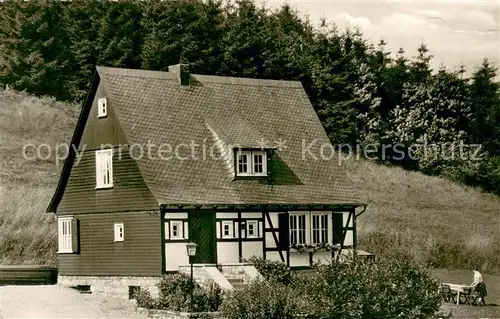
[181, 71]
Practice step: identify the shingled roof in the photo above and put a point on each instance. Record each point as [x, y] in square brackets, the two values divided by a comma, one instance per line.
[152, 107]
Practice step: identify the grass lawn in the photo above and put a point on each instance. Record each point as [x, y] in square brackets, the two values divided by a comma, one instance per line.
[465, 277]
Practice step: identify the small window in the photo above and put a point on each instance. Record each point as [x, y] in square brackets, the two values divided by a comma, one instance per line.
[65, 235]
[251, 163]
[176, 230]
[102, 107]
[227, 229]
[252, 231]
[119, 232]
[104, 168]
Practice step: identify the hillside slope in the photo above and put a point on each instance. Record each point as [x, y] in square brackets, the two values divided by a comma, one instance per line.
[27, 233]
[443, 224]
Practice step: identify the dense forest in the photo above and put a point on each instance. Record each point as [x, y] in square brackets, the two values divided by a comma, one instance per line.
[406, 112]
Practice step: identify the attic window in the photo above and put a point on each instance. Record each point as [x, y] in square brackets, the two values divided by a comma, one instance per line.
[251, 163]
[102, 107]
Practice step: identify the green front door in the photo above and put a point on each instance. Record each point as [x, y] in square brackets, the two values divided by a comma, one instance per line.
[202, 233]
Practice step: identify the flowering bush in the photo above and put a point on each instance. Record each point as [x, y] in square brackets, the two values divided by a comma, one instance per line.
[300, 248]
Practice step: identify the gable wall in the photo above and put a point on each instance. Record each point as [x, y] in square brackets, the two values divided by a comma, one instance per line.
[129, 192]
[104, 130]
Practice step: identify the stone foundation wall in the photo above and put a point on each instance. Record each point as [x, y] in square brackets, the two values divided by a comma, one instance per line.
[117, 286]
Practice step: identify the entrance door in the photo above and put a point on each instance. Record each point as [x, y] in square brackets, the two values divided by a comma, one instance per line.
[202, 233]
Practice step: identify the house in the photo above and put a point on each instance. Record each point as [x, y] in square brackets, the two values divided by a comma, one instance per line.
[160, 159]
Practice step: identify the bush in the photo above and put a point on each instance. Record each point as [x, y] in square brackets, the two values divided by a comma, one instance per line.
[175, 294]
[261, 300]
[394, 288]
[273, 270]
[144, 299]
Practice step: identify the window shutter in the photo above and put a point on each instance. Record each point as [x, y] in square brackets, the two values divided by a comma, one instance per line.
[75, 235]
[284, 231]
[337, 228]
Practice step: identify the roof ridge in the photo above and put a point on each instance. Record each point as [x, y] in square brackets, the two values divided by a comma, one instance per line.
[218, 79]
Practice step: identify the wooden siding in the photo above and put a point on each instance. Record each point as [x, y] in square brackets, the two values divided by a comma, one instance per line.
[129, 192]
[104, 130]
[140, 254]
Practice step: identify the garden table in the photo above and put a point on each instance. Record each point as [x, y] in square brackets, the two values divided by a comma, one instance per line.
[458, 289]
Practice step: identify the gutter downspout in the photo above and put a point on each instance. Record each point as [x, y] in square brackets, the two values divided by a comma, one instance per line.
[361, 212]
[355, 217]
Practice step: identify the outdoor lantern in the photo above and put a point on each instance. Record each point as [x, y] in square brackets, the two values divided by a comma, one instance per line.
[191, 249]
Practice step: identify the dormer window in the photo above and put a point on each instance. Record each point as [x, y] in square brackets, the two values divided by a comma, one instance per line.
[102, 107]
[251, 163]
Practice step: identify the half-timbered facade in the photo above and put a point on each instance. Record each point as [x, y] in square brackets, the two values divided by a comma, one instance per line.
[241, 167]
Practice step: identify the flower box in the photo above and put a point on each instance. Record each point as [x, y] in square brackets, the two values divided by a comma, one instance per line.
[299, 249]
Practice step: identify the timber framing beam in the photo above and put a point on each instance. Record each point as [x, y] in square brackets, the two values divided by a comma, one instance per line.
[259, 207]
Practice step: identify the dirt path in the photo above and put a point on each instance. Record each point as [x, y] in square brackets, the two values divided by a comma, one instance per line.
[59, 302]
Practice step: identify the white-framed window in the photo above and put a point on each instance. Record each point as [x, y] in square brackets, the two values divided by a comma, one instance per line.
[243, 163]
[65, 235]
[251, 163]
[104, 168]
[320, 228]
[298, 228]
[119, 232]
[176, 229]
[259, 163]
[227, 229]
[252, 229]
[102, 107]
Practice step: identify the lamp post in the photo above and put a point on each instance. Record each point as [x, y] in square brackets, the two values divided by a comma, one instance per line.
[191, 252]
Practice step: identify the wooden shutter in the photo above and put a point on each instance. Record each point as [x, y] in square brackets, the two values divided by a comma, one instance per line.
[75, 235]
[284, 231]
[337, 228]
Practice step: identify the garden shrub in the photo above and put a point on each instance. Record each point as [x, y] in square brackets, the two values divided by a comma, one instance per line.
[261, 300]
[174, 291]
[273, 270]
[393, 288]
[175, 294]
[144, 299]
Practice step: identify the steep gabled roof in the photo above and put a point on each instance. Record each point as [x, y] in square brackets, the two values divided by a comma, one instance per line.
[154, 109]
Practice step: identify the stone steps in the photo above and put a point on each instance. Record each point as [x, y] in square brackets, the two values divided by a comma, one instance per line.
[237, 283]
